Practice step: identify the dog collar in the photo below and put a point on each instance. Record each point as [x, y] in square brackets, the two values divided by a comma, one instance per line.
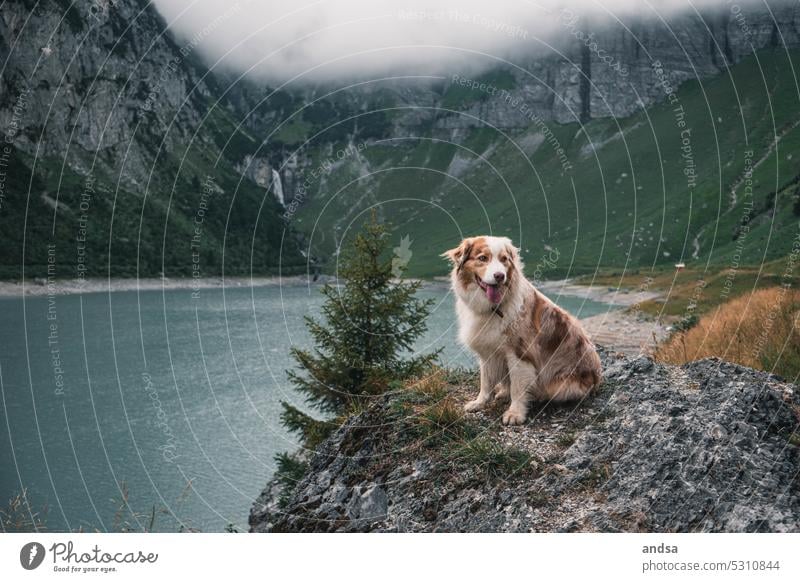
[496, 310]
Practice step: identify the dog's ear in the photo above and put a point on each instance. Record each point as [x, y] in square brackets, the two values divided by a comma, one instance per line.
[512, 251]
[514, 254]
[459, 255]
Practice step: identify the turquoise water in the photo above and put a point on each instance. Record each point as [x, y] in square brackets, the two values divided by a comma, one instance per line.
[122, 409]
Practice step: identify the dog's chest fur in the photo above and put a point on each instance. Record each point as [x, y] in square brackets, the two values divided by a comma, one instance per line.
[483, 333]
[486, 332]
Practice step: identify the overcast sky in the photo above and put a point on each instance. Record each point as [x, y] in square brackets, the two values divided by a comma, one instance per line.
[320, 40]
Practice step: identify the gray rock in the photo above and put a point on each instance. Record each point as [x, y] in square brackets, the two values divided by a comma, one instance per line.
[368, 506]
[659, 448]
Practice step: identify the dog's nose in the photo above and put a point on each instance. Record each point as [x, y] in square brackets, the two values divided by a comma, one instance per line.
[499, 277]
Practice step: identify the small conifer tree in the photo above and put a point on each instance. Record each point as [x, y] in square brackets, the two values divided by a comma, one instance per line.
[363, 345]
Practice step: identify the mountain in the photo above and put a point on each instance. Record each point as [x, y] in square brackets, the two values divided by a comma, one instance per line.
[625, 143]
[636, 143]
[120, 157]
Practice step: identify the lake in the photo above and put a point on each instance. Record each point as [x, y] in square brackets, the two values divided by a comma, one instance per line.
[125, 410]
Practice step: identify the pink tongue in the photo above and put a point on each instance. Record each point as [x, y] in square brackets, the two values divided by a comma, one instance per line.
[493, 293]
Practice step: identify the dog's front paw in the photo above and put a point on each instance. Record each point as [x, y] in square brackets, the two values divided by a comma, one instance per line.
[512, 417]
[475, 405]
[501, 392]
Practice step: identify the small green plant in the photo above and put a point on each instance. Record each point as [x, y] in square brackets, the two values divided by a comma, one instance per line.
[440, 422]
[443, 415]
[289, 472]
[491, 459]
[687, 323]
[566, 439]
[431, 387]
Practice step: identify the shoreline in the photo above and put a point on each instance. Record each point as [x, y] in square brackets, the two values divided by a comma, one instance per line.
[620, 297]
[41, 287]
[618, 329]
[625, 330]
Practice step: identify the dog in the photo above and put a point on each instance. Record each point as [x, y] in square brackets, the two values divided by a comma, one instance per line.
[528, 347]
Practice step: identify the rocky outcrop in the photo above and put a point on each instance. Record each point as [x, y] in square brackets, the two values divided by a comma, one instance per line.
[710, 446]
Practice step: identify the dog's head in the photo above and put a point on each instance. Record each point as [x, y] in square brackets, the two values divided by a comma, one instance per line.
[484, 268]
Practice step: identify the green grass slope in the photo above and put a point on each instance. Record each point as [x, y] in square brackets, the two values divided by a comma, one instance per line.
[641, 192]
[56, 221]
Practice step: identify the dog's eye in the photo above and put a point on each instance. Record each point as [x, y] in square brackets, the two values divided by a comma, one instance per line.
[503, 259]
[483, 258]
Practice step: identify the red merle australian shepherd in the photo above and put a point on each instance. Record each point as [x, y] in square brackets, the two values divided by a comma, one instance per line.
[528, 347]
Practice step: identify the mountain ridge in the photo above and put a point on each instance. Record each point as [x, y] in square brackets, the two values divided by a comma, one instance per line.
[576, 150]
[121, 144]
[483, 153]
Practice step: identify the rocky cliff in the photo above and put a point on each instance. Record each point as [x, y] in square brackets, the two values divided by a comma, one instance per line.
[102, 79]
[710, 446]
[591, 67]
[121, 152]
[604, 67]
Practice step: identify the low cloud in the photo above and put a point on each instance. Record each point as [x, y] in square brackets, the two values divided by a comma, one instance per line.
[331, 40]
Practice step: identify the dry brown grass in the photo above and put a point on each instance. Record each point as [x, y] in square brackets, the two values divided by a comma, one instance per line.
[760, 330]
[432, 386]
[20, 516]
[702, 289]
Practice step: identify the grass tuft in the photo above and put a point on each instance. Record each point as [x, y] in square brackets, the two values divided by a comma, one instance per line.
[441, 422]
[431, 387]
[491, 458]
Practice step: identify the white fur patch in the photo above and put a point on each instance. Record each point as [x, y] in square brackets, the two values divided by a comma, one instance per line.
[497, 245]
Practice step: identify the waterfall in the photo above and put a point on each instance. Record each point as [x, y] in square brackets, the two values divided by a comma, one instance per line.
[277, 187]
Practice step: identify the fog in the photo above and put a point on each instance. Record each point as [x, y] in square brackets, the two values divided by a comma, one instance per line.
[324, 40]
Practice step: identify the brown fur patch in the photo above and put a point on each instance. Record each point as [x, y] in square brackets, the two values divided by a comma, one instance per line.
[511, 268]
[551, 340]
[536, 317]
[555, 335]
